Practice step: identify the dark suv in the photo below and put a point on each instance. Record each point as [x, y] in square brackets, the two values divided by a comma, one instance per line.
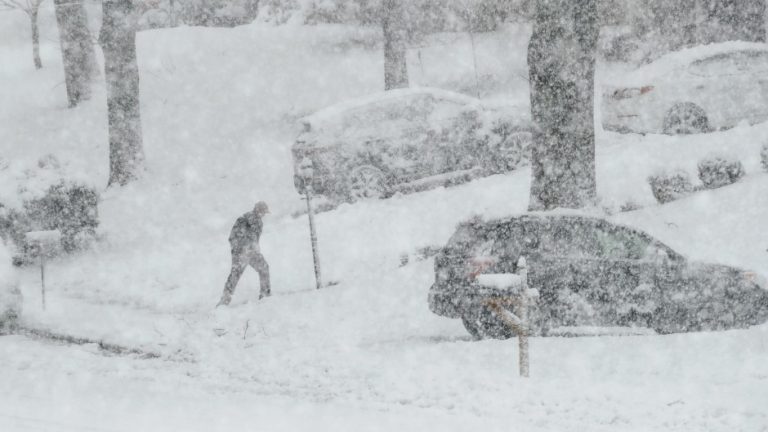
[590, 272]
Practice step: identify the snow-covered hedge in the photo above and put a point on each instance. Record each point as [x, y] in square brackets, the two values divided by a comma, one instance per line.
[10, 297]
[70, 208]
[719, 170]
[42, 197]
[670, 185]
[422, 16]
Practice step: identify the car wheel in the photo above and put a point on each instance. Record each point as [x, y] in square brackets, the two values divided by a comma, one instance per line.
[366, 181]
[509, 153]
[484, 324]
[686, 118]
[472, 327]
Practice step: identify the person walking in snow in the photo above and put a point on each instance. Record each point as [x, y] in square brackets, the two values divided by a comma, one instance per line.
[244, 240]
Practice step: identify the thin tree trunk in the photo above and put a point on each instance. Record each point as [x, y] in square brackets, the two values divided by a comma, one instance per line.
[35, 39]
[395, 36]
[76, 49]
[561, 62]
[121, 73]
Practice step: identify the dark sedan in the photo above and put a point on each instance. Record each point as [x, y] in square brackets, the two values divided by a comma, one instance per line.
[590, 272]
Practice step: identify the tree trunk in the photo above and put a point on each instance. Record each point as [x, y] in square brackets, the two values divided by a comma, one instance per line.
[561, 62]
[35, 39]
[395, 36]
[76, 49]
[121, 73]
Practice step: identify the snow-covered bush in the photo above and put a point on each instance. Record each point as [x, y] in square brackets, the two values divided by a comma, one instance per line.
[423, 16]
[719, 170]
[764, 156]
[69, 207]
[670, 185]
[212, 13]
[10, 297]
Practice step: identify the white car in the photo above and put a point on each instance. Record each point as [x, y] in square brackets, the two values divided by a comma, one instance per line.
[10, 296]
[695, 90]
[407, 140]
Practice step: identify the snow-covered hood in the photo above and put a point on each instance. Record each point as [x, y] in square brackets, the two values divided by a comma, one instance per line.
[330, 120]
[332, 113]
[723, 275]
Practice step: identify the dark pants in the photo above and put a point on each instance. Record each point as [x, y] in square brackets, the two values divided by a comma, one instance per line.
[240, 260]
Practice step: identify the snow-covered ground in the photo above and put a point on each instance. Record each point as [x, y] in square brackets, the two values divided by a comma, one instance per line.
[218, 109]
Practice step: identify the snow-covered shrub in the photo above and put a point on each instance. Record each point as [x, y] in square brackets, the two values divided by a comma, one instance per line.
[422, 16]
[280, 11]
[10, 297]
[718, 170]
[764, 156]
[210, 13]
[69, 207]
[668, 186]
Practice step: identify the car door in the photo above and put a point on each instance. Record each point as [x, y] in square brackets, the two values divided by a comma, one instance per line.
[452, 143]
[388, 134]
[564, 271]
[628, 292]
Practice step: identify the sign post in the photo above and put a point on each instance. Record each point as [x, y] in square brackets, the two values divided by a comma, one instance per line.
[306, 170]
[43, 243]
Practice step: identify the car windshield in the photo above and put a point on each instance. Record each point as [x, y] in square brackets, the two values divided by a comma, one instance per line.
[467, 237]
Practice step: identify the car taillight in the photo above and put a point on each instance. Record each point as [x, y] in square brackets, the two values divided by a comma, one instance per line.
[627, 93]
[479, 264]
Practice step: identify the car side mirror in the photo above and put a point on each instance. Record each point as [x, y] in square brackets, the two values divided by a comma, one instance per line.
[657, 255]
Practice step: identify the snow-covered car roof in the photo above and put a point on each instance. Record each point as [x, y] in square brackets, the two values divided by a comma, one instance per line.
[333, 112]
[678, 59]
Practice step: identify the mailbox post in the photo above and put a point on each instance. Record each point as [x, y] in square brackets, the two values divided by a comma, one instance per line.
[518, 296]
[42, 243]
[306, 170]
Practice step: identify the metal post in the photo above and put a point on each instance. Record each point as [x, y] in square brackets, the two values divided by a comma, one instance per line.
[522, 270]
[313, 236]
[42, 274]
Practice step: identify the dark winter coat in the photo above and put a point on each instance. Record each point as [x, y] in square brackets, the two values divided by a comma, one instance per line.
[245, 233]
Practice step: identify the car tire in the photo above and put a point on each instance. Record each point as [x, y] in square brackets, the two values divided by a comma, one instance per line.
[472, 327]
[684, 119]
[366, 181]
[484, 324]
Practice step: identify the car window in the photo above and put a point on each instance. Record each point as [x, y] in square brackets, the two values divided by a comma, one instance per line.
[570, 238]
[467, 238]
[623, 244]
[409, 114]
[734, 63]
